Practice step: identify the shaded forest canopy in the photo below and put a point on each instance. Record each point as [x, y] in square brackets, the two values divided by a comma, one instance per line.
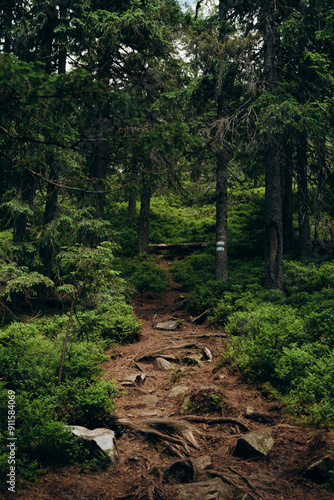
[130, 124]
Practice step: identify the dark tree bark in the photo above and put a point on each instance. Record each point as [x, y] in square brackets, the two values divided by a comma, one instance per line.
[132, 204]
[144, 218]
[7, 24]
[22, 223]
[273, 277]
[287, 200]
[303, 208]
[62, 38]
[47, 39]
[221, 217]
[222, 160]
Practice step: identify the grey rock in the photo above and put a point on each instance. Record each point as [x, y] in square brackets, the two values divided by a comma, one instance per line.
[254, 444]
[177, 390]
[167, 325]
[185, 405]
[202, 463]
[207, 354]
[103, 439]
[133, 379]
[163, 364]
[213, 489]
[319, 470]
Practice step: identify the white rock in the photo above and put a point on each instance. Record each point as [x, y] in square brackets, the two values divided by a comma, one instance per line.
[103, 438]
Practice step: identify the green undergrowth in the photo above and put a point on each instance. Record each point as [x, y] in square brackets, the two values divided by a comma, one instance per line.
[30, 354]
[143, 273]
[281, 341]
[175, 220]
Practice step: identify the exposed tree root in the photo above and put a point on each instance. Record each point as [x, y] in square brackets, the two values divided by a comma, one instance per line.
[154, 354]
[217, 420]
[163, 428]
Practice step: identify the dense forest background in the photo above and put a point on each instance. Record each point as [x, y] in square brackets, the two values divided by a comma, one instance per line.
[124, 124]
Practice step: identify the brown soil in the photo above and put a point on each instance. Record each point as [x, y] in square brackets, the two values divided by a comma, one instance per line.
[140, 462]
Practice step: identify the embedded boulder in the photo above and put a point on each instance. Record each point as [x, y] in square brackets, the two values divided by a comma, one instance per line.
[167, 325]
[254, 444]
[97, 439]
[163, 364]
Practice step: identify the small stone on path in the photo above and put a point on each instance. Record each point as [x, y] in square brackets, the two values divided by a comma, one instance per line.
[163, 364]
[167, 325]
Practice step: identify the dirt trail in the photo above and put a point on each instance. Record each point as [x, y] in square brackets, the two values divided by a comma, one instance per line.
[138, 473]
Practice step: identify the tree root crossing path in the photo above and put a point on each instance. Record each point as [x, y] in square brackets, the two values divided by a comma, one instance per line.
[189, 428]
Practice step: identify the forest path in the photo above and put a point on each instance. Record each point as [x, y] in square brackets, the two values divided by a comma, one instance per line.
[157, 432]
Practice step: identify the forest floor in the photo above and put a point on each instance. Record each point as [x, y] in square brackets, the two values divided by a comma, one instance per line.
[147, 405]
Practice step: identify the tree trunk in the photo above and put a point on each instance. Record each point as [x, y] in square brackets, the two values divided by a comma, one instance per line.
[62, 38]
[132, 205]
[144, 218]
[287, 201]
[47, 39]
[273, 276]
[22, 223]
[7, 24]
[222, 160]
[99, 172]
[221, 217]
[303, 209]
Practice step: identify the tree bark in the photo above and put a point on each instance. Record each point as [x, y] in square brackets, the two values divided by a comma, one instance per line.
[222, 160]
[273, 276]
[303, 208]
[22, 223]
[144, 218]
[287, 200]
[132, 205]
[221, 216]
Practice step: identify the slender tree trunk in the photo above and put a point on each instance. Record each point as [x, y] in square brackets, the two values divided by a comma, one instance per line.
[47, 38]
[303, 208]
[222, 160]
[23, 222]
[99, 172]
[62, 38]
[7, 22]
[144, 218]
[273, 276]
[132, 204]
[287, 201]
[221, 217]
